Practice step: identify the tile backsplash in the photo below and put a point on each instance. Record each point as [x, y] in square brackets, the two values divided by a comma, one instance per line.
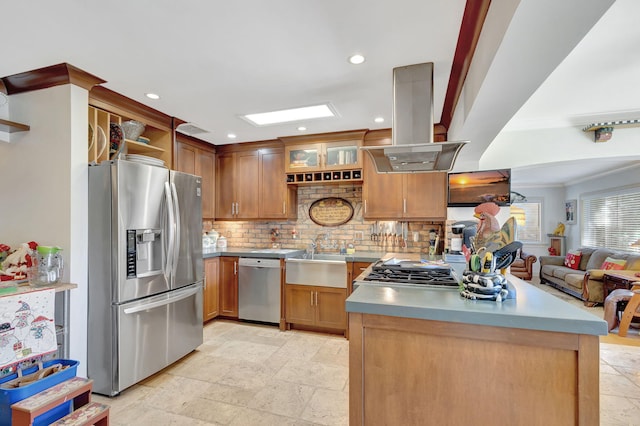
[259, 234]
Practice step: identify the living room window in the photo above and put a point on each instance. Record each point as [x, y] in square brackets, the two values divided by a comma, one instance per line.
[611, 220]
[527, 215]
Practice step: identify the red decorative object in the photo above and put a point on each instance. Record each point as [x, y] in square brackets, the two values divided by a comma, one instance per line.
[552, 251]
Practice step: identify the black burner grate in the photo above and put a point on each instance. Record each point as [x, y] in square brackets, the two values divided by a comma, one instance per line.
[433, 276]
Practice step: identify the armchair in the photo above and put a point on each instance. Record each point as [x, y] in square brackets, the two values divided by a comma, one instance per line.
[523, 265]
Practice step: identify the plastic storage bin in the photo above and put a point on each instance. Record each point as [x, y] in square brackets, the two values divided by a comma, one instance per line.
[11, 396]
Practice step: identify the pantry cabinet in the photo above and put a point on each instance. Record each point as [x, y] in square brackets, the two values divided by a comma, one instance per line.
[228, 281]
[316, 306]
[194, 157]
[407, 196]
[211, 291]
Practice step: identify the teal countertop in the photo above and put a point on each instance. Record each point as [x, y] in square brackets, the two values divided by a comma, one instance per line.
[364, 256]
[532, 309]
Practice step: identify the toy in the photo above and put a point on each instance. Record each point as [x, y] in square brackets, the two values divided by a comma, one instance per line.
[559, 231]
[490, 235]
[17, 263]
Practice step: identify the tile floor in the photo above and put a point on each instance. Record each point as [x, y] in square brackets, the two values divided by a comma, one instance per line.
[246, 374]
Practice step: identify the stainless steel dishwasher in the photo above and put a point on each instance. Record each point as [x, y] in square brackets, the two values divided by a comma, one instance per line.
[259, 289]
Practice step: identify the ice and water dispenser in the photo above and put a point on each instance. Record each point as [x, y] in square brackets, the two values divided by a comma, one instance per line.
[144, 252]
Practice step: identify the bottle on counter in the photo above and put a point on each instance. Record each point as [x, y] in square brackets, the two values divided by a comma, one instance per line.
[222, 242]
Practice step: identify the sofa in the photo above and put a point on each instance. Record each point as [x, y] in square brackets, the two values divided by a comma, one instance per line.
[522, 267]
[585, 282]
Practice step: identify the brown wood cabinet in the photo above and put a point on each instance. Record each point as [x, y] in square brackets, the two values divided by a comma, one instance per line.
[251, 184]
[277, 199]
[228, 286]
[402, 196]
[324, 157]
[198, 159]
[406, 371]
[106, 106]
[316, 306]
[211, 292]
[353, 270]
[237, 192]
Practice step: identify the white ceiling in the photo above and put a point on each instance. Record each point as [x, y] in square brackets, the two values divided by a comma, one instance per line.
[213, 61]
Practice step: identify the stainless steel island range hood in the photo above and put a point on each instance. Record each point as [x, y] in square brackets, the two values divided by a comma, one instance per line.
[413, 149]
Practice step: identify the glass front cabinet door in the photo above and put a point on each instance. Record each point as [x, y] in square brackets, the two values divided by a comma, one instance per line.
[342, 155]
[303, 158]
[323, 156]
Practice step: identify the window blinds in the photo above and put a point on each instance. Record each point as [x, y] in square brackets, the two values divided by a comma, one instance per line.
[611, 221]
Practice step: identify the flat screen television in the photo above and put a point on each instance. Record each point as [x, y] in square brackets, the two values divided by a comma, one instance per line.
[468, 189]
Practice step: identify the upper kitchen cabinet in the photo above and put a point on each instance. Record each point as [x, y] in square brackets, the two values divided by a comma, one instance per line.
[198, 158]
[409, 196]
[237, 185]
[250, 182]
[107, 107]
[323, 158]
[277, 199]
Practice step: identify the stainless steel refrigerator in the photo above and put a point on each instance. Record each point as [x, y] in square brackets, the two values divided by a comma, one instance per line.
[145, 271]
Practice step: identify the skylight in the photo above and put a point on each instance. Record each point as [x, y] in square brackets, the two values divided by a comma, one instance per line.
[289, 115]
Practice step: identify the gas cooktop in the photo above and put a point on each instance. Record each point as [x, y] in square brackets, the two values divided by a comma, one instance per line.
[412, 274]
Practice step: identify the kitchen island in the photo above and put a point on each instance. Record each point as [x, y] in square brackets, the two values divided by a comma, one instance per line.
[429, 356]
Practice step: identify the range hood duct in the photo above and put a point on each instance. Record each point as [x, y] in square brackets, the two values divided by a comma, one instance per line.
[413, 149]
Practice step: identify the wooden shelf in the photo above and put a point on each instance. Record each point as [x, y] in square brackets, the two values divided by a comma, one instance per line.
[134, 147]
[12, 126]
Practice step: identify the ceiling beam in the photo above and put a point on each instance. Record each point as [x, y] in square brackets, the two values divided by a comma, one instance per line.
[475, 13]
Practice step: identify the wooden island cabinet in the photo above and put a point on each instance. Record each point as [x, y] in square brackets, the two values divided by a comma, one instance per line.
[431, 357]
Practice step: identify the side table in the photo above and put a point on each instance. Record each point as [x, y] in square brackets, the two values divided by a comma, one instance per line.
[613, 280]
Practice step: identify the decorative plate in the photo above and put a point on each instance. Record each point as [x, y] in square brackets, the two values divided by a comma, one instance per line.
[117, 140]
[91, 137]
[331, 211]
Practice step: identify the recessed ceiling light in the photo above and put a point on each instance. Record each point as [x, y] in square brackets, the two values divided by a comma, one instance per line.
[356, 59]
[231, 135]
[302, 128]
[288, 115]
[379, 119]
[152, 96]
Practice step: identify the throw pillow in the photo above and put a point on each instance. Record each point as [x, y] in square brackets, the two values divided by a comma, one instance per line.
[572, 259]
[610, 264]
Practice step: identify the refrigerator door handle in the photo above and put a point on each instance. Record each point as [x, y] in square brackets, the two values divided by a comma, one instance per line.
[171, 229]
[176, 244]
[183, 295]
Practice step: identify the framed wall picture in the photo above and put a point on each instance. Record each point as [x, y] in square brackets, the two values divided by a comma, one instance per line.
[571, 211]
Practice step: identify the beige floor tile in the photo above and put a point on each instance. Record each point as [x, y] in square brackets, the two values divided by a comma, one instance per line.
[235, 395]
[314, 374]
[618, 411]
[282, 398]
[242, 350]
[248, 375]
[328, 407]
[209, 411]
[617, 385]
[249, 417]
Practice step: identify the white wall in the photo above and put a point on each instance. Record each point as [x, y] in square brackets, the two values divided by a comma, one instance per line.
[603, 183]
[44, 188]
